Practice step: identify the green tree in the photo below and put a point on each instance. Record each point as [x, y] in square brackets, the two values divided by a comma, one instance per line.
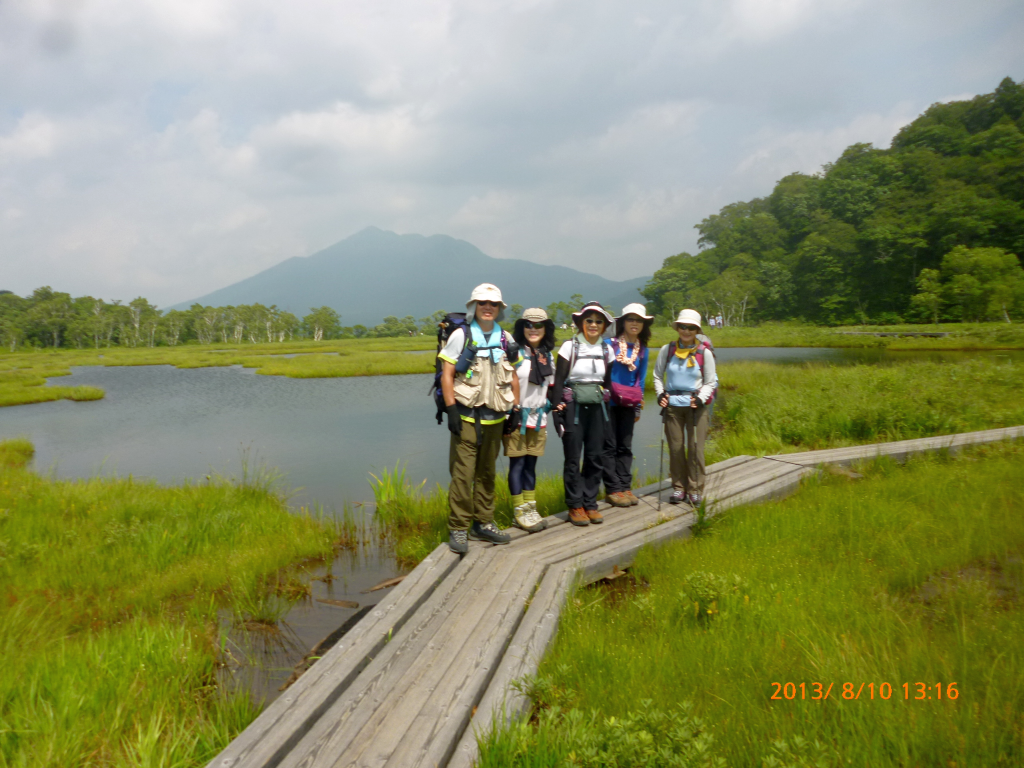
[983, 283]
[321, 323]
[928, 298]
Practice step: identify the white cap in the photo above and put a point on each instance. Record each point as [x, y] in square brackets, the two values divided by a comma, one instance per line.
[635, 309]
[688, 317]
[484, 292]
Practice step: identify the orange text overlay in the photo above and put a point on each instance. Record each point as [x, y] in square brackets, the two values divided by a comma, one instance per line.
[865, 691]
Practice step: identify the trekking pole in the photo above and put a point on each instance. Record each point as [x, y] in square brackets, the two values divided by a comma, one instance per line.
[661, 469]
[661, 460]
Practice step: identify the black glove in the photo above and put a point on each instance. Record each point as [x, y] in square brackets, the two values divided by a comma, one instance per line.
[514, 421]
[454, 420]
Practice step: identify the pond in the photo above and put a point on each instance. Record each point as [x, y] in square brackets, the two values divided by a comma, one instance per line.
[324, 435]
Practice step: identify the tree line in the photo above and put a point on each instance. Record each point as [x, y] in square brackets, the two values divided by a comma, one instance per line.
[930, 229]
[50, 318]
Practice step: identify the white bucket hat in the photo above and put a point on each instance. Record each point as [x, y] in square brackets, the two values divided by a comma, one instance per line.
[635, 309]
[688, 317]
[484, 292]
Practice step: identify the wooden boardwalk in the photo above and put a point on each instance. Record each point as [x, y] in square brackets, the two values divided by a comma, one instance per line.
[417, 679]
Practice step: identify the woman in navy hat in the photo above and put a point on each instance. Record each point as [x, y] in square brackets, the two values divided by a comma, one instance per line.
[578, 396]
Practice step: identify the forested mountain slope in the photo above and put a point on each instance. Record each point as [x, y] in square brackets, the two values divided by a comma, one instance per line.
[931, 228]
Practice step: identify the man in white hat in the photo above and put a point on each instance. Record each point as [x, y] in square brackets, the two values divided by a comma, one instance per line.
[685, 380]
[480, 388]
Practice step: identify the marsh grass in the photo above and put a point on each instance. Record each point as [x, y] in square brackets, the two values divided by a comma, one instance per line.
[110, 593]
[963, 336]
[914, 574]
[769, 408]
[23, 373]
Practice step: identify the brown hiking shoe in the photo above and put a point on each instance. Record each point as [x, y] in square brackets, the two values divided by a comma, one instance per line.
[595, 516]
[578, 516]
[633, 500]
[618, 499]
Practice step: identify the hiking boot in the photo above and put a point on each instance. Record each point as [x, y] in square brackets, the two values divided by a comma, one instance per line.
[633, 500]
[527, 519]
[535, 517]
[579, 516]
[677, 497]
[594, 516]
[488, 532]
[457, 542]
[695, 500]
[619, 499]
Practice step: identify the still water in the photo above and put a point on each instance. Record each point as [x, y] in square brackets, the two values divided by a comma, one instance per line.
[324, 435]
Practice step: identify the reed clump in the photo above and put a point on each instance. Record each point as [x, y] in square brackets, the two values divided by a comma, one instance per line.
[913, 575]
[110, 596]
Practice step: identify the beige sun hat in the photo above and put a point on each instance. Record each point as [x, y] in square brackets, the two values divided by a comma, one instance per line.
[636, 309]
[688, 317]
[485, 292]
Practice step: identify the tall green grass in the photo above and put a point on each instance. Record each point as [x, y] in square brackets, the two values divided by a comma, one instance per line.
[913, 574]
[768, 408]
[110, 592]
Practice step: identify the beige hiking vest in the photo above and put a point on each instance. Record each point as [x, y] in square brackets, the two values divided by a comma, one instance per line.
[490, 385]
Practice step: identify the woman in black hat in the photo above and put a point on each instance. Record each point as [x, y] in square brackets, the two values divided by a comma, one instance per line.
[581, 384]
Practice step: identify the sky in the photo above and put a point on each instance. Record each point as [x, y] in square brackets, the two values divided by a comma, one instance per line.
[167, 149]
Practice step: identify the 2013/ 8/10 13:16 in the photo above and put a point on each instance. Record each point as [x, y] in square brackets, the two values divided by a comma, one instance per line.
[850, 691]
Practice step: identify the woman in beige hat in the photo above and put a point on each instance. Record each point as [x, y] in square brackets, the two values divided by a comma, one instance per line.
[534, 332]
[626, 355]
[685, 381]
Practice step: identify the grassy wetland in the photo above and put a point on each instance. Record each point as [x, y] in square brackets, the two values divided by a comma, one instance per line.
[24, 373]
[713, 653]
[112, 594]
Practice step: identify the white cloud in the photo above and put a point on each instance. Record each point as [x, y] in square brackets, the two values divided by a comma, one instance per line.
[171, 148]
[778, 154]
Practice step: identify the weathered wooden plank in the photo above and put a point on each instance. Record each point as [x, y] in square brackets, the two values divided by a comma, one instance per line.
[373, 738]
[331, 733]
[899, 449]
[434, 733]
[502, 703]
[282, 724]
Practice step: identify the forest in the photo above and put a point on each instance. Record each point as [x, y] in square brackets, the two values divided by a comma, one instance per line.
[930, 229]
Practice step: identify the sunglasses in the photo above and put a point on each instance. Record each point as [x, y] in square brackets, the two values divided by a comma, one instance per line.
[633, 319]
[487, 304]
[531, 326]
[688, 327]
[594, 320]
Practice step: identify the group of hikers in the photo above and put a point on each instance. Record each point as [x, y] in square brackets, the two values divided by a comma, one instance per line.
[501, 389]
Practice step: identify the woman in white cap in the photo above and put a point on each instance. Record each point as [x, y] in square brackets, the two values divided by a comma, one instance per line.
[626, 355]
[581, 380]
[685, 380]
[480, 389]
[534, 332]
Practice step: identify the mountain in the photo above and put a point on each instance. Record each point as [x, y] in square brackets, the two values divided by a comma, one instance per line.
[375, 273]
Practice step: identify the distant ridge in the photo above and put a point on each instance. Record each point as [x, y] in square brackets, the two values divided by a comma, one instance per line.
[375, 273]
